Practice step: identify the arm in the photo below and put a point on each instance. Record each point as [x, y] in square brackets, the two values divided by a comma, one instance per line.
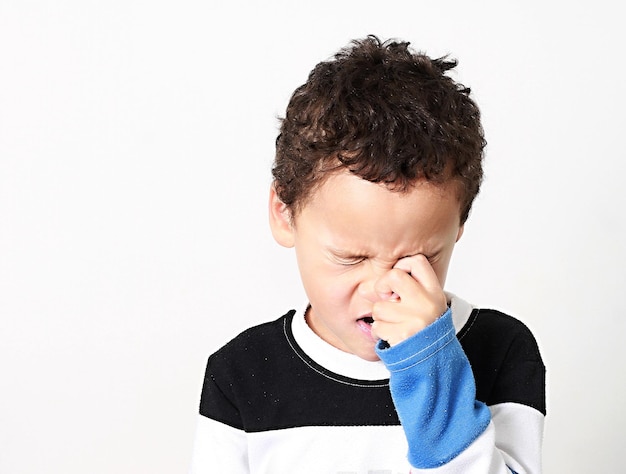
[218, 448]
[220, 444]
[434, 392]
[452, 431]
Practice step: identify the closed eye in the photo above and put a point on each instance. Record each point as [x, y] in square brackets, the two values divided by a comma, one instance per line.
[349, 261]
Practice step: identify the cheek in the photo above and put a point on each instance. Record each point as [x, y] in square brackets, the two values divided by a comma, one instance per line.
[341, 291]
[334, 289]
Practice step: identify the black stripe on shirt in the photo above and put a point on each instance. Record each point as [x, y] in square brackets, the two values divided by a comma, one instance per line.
[262, 380]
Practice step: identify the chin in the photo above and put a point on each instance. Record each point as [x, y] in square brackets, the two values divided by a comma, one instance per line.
[369, 356]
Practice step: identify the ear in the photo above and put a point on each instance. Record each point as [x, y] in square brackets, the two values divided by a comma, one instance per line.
[460, 233]
[280, 220]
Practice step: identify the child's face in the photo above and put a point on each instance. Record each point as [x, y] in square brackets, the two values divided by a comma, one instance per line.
[352, 232]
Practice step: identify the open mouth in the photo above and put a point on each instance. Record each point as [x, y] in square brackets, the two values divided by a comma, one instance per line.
[367, 319]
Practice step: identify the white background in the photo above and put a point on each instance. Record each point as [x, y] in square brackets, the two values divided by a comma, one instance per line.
[136, 140]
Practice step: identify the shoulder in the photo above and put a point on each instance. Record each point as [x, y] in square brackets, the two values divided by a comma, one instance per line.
[253, 342]
[505, 359]
[487, 329]
[493, 330]
[235, 371]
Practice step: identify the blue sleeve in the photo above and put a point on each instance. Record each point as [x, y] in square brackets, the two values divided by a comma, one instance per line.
[434, 392]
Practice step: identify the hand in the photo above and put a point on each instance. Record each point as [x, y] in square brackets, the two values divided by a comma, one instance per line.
[412, 298]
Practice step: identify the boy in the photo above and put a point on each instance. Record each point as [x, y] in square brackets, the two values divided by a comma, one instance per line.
[377, 164]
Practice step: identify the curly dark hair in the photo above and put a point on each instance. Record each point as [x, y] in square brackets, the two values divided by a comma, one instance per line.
[386, 113]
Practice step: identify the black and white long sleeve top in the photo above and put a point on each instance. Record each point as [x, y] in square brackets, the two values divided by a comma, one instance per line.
[465, 395]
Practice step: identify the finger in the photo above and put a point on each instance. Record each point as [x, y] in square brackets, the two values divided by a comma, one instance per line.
[394, 333]
[417, 315]
[421, 270]
[392, 311]
[396, 285]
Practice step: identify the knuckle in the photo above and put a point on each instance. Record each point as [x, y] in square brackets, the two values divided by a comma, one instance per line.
[396, 276]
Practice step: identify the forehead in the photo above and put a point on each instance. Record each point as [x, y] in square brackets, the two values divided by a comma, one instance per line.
[353, 212]
[344, 189]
